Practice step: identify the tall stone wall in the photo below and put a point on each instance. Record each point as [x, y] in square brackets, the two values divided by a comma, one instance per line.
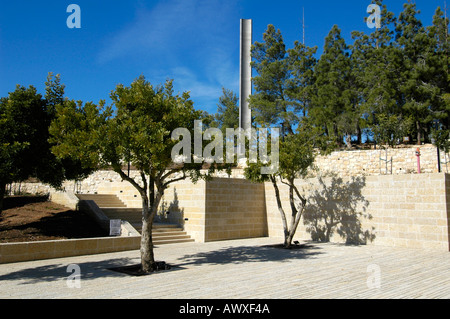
[396, 210]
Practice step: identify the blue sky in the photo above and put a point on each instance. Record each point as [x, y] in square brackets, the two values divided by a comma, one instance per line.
[194, 42]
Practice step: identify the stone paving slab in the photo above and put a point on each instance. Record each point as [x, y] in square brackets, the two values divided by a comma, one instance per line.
[239, 269]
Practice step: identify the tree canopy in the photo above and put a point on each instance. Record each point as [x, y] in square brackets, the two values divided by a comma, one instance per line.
[137, 129]
[25, 149]
[398, 72]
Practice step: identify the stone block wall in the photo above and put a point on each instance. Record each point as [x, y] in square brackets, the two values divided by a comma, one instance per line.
[184, 204]
[221, 209]
[235, 208]
[341, 163]
[395, 210]
[372, 162]
[403, 209]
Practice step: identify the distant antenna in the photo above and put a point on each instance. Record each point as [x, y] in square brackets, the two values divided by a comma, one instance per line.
[303, 25]
[445, 16]
[445, 10]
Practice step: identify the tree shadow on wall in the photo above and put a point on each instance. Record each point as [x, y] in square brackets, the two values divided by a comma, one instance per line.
[338, 207]
[171, 212]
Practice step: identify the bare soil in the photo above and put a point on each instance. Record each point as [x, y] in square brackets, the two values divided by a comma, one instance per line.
[30, 218]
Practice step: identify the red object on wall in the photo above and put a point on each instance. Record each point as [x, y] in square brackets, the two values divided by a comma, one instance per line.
[418, 159]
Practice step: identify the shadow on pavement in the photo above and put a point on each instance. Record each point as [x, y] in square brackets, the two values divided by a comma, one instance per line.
[102, 269]
[49, 273]
[245, 254]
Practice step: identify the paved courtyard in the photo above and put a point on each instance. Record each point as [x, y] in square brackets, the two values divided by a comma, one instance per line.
[240, 269]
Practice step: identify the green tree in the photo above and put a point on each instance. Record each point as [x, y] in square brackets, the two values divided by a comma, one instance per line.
[52, 169]
[333, 101]
[23, 132]
[139, 132]
[440, 108]
[271, 104]
[379, 62]
[301, 63]
[418, 65]
[54, 92]
[227, 115]
[282, 98]
[19, 119]
[297, 153]
[25, 117]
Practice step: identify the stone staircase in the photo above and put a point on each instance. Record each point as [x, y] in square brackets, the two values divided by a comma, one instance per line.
[114, 208]
[103, 201]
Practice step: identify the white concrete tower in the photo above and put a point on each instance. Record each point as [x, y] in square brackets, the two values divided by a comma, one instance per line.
[245, 87]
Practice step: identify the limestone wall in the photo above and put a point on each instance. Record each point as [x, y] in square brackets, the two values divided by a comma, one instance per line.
[373, 162]
[220, 209]
[184, 204]
[394, 210]
[235, 208]
[340, 163]
[403, 209]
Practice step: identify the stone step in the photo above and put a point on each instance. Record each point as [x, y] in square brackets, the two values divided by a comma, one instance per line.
[168, 234]
[160, 228]
[172, 241]
[103, 200]
[173, 236]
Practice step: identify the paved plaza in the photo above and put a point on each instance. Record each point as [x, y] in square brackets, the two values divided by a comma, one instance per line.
[239, 269]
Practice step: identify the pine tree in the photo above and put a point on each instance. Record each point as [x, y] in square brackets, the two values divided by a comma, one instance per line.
[283, 92]
[440, 107]
[227, 115]
[301, 61]
[379, 65]
[332, 102]
[418, 62]
[271, 103]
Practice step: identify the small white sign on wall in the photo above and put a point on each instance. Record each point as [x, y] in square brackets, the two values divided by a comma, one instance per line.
[115, 227]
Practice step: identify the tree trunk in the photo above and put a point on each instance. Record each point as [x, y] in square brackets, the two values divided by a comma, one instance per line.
[419, 133]
[348, 141]
[358, 134]
[148, 263]
[2, 195]
[296, 216]
[280, 209]
[328, 229]
[151, 188]
[291, 230]
[147, 255]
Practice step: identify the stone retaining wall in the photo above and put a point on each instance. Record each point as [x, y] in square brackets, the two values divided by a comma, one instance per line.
[18, 252]
[402, 160]
[340, 163]
[395, 210]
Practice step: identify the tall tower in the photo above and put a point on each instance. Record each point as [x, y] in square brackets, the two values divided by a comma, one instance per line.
[245, 87]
